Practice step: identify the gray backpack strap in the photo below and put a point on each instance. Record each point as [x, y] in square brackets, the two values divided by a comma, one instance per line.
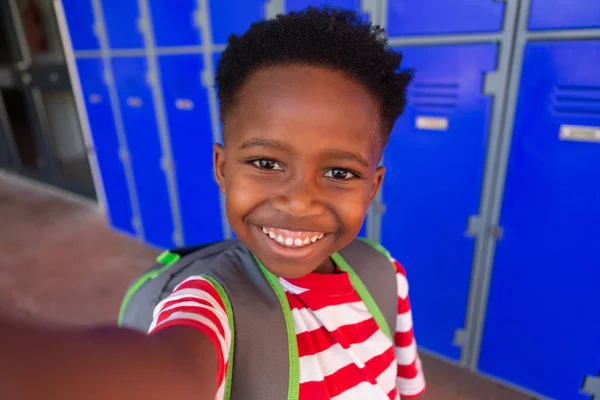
[371, 263]
[258, 374]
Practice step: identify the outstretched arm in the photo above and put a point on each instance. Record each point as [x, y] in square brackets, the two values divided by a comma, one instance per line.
[106, 363]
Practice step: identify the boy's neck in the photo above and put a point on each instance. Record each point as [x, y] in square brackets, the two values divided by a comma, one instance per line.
[327, 267]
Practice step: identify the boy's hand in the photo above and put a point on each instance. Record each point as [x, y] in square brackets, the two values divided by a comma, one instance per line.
[108, 363]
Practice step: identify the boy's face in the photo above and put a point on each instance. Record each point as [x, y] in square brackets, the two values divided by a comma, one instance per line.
[299, 168]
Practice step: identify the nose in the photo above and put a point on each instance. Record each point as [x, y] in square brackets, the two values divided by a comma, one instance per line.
[300, 198]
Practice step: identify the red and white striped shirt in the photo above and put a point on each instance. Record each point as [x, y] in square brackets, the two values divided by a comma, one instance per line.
[343, 353]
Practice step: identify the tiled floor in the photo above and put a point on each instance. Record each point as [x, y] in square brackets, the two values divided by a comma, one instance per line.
[60, 264]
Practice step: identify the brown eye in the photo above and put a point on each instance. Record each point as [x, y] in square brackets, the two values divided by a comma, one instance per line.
[267, 164]
[339, 174]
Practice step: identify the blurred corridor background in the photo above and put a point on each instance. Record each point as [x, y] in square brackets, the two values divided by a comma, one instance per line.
[491, 199]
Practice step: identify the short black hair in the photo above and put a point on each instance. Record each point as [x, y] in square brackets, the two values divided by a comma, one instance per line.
[327, 37]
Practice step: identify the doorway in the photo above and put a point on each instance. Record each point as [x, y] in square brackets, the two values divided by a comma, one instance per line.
[40, 131]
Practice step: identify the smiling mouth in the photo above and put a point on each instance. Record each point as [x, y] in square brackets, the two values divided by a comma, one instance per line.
[292, 239]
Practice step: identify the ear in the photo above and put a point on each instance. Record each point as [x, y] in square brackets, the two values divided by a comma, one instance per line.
[377, 181]
[219, 165]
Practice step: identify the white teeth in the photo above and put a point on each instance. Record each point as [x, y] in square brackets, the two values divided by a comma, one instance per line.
[290, 241]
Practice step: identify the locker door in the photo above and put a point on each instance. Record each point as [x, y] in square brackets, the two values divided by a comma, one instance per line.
[542, 328]
[121, 19]
[80, 18]
[186, 101]
[106, 144]
[135, 98]
[174, 26]
[234, 16]
[564, 14]
[426, 17]
[435, 161]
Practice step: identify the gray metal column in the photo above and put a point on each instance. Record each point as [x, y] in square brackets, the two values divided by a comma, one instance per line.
[375, 212]
[203, 23]
[372, 8]
[482, 226]
[100, 31]
[274, 8]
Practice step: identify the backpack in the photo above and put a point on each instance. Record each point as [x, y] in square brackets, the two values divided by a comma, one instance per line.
[238, 276]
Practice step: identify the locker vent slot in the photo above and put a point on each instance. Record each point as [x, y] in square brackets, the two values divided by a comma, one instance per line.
[437, 97]
[576, 100]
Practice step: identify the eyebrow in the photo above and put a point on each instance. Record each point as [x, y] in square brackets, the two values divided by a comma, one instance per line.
[277, 145]
[347, 156]
[264, 143]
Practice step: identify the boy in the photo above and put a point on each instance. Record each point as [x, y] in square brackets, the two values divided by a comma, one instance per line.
[308, 101]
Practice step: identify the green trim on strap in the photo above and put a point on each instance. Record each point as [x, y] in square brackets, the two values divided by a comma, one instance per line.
[293, 356]
[377, 247]
[364, 294]
[168, 259]
[229, 311]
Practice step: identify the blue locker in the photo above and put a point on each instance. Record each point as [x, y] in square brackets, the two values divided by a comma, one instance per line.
[427, 17]
[121, 19]
[80, 18]
[435, 161]
[186, 102]
[542, 328]
[564, 14]
[174, 26]
[106, 144]
[234, 16]
[135, 98]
